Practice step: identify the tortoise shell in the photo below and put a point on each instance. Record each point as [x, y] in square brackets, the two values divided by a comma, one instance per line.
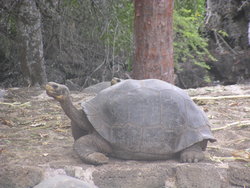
[147, 116]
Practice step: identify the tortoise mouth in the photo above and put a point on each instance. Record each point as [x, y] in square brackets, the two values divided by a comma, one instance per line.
[49, 90]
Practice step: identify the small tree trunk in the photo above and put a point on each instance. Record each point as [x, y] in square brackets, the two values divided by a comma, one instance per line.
[154, 40]
[31, 43]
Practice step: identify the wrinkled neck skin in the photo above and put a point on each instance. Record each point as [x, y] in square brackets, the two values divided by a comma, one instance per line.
[77, 116]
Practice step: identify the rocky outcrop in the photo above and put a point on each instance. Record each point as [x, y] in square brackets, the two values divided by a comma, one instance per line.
[227, 23]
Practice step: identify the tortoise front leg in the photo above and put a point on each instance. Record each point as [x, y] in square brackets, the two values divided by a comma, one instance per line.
[193, 153]
[92, 149]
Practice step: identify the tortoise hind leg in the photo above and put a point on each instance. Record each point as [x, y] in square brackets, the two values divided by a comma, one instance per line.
[92, 149]
[193, 153]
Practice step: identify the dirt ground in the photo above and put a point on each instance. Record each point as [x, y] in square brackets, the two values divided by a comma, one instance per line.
[34, 131]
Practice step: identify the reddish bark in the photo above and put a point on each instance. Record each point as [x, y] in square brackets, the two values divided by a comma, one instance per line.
[31, 43]
[154, 40]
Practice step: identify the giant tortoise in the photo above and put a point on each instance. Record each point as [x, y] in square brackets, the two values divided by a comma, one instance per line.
[138, 120]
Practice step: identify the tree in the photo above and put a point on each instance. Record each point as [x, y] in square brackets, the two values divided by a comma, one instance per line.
[154, 40]
[31, 42]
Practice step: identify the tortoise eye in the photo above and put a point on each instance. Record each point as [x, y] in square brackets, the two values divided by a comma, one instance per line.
[55, 86]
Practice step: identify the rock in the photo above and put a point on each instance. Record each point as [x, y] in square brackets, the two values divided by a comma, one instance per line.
[143, 174]
[19, 176]
[198, 175]
[61, 181]
[85, 174]
[190, 75]
[124, 174]
[232, 54]
[239, 174]
[127, 174]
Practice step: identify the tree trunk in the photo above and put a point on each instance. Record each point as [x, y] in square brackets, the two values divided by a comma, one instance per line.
[154, 40]
[31, 43]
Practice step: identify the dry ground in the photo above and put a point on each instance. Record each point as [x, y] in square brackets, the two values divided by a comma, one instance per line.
[34, 131]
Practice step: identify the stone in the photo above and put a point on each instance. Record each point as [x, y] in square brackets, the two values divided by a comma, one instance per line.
[144, 174]
[198, 175]
[239, 174]
[19, 176]
[62, 181]
[133, 174]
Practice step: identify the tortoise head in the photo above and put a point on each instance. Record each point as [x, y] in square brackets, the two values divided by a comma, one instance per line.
[115, 81]
[57, 91]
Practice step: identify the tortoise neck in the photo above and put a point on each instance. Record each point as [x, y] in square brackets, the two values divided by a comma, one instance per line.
[70, 110]
[77, 116]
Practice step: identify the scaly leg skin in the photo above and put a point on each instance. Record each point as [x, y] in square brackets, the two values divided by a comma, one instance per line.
[192, 154]
[92, 148]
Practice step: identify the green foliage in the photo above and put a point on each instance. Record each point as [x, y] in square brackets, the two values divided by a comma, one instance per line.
[189, 44]
[92, 32]
[195, 7]
[118, 33]
[222, 33]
